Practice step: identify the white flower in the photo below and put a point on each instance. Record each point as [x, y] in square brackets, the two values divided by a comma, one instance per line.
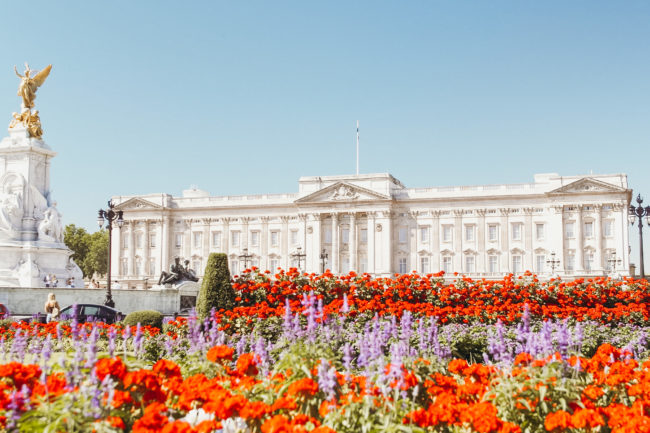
[234, 425]
[197, 416]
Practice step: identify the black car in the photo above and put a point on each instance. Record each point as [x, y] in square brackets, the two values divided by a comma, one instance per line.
[91, 313]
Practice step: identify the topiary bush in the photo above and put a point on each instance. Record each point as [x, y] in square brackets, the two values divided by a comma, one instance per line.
[216, 291]
[144, 318]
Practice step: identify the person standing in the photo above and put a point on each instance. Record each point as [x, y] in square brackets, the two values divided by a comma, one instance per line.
[52, 308]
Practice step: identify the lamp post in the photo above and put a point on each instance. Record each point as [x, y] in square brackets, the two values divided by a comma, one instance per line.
[323, 259]
[612, 261]
[553, 263]
[245, 257]
[109, 215]
[299, 255]
[639, 212]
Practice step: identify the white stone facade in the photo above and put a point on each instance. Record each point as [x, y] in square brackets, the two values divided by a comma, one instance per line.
[373, 223]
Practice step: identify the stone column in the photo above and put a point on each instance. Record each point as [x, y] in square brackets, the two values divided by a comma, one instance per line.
[598, 233]
[225, 237]
[505, 242]
[145, 248]
[205, 253]
[434, 241]
[165, 241]
[316, 247]
[371, 242]
[580, 242]
[481, 265]
[116, 251]
[556, 237]
[528, 239]
[353, 242]
[132, 248]
[459, 266]
[264, 247]
[243, 241]
[284, 243]
[335, 243]
[186, 250]
[302, 217]
[414, 246]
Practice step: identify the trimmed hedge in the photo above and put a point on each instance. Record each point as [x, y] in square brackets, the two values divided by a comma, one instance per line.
[216, 291]
[144, 318]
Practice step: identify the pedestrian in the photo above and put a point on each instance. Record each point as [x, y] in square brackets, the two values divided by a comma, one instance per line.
[116, 285]
[52, 308]
[53, 281]
[46, 280]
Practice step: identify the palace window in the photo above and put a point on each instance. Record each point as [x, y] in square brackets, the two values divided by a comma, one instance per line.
[275, 235]
[328, 235]
[152, 240]
[402, 265]
[216, 240]
[516, 264]
[589, 229]
[424, 234]
[446, 233]
[178, 238]
[125, 267]
[139, 240]
[125, 241]
[493, 232]
[345, 236]
[589, 260]
[196, 266]
[363, 265]
[569, 230]
[493, 263]
[539, 231]
[402, 235]
[294, 237]
[446, 264]
[138, 267]
[152, 266]
[234, 267]
[608, 228]
[345, 265]
[469, 263]
[273, 264]
[540, 261]
[234, 238]
[255, 238]
[364, 235]
[469, 233]
[570, 262]
[424, 265]
[197, 239]
[516, 231]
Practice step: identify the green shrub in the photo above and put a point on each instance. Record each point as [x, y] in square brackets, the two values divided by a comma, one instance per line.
[144, 318]
[216, 291]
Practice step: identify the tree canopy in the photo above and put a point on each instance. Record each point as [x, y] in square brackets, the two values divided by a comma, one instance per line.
[90, 250]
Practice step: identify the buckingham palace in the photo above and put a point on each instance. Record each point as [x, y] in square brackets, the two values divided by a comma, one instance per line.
[373, 223]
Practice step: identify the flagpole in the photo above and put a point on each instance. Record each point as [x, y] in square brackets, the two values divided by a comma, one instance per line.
[357, 148]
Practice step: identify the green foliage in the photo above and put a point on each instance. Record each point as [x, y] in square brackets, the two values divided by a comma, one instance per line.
[90, 251]
[144, 318]
[216, 291]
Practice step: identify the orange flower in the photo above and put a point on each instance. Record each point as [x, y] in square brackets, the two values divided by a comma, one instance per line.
[303, 387]
[110, 367]
[558, 420]
[220, 353]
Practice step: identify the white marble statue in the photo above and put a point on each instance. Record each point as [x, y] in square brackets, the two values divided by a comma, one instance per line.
[50, 228]
[11, 214]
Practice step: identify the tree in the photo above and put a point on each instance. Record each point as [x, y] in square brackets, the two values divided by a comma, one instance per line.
[216, 291]
[89, 251]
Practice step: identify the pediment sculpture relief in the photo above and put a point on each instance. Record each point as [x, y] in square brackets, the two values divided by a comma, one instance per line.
[344, 192]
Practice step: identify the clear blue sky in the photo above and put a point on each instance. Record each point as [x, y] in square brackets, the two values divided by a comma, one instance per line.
[245, 97]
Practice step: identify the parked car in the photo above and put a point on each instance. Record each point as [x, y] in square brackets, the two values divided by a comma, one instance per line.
[91, 313]
[4, 312]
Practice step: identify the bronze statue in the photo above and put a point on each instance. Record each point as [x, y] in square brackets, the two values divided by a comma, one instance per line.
[177, 273]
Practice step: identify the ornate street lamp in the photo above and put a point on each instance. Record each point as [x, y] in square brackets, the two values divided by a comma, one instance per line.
[109, 215]
[299, 255]
[553, 263]
[323, 260]
[639, 212]
[245, 257]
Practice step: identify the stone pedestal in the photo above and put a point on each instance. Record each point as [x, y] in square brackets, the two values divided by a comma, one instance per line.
[31, 227]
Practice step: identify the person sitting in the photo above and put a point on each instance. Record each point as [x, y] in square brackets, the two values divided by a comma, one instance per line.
[52, 308]
[116, 285]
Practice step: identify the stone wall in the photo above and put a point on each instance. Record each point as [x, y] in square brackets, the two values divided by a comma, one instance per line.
[28, 301]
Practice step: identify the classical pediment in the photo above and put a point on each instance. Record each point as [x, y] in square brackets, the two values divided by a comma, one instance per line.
[587, 185]
[137, 204]
[342, 192]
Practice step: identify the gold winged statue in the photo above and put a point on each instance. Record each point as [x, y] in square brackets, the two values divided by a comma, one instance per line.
[29, 83]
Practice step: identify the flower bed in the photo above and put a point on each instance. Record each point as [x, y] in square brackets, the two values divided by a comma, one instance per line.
[308, 354]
